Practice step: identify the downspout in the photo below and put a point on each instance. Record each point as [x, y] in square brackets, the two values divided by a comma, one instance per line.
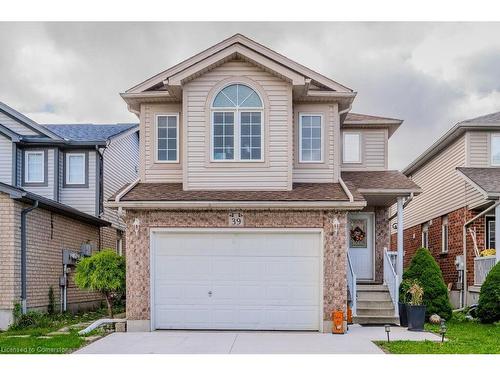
[410, 198]
[24, 214]
[346, 189]
[464, 245]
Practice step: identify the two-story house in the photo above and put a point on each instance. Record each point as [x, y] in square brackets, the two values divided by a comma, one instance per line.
[53, 181]
[454, 217]
[261, 202]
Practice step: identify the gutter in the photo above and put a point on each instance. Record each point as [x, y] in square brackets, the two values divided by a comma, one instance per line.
[464, 245]
[24, 214]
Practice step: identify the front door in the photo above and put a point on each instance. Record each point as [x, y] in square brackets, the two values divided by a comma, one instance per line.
[360, 242]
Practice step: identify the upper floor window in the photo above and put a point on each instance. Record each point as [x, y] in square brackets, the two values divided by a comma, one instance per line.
[237, 125]
[351, 148]
[444, 234]
[495, 149]
[75, 169]
[310, 138]
[490, 232]
[34, 167]
[167, 138]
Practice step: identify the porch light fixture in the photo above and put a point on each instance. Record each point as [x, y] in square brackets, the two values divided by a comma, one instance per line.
[388, 331]
[442, 329]
[336, 226]
[136, 225]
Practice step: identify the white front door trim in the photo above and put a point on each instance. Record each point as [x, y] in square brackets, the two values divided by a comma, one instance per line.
[153, 231]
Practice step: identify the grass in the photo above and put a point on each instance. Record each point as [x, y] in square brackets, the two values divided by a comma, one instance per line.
[464, 337]
[35, 343]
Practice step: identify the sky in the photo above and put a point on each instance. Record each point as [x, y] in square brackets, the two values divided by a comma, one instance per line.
[431, 75]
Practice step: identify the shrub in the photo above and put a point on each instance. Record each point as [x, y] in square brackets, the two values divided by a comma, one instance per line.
[488, 309]
[52, 303]
[32, 319]
[404, 287]
[425, 270]
[103, 272]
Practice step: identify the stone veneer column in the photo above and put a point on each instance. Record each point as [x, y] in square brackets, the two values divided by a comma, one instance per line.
[382, 240]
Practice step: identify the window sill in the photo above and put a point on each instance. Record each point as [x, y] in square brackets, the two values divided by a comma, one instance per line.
[443, 254]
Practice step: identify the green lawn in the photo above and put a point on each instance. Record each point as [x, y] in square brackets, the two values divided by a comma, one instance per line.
[37, 341]
[463, 338]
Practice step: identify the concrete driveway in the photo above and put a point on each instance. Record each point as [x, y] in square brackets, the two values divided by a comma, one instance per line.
[357, 341]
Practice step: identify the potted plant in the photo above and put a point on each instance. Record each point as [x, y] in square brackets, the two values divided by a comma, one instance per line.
[415, 308]
[404, 297]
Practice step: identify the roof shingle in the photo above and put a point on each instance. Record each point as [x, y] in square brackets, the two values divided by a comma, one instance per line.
[487, 179]
[88, 132]
[380, 180]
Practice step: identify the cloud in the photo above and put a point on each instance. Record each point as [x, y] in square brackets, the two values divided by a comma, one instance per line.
[429, 74]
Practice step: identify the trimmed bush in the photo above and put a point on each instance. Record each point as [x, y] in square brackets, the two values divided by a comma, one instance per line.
[426, 271]
[488, 309]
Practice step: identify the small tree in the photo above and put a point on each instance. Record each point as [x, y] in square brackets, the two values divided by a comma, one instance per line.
[488, 309]
[425, 270]
[103, 272]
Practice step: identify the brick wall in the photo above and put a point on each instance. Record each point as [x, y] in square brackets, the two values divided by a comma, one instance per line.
[412, 239]
[335, 259]
[10, 240]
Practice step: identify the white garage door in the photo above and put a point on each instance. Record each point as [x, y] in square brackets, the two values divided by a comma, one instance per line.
[236, 280]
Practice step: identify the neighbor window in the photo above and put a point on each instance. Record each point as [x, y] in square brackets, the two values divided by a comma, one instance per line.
[167, 138]
[444, 234]
[351, 148]
[76, 163]
[425, 236]
[34, 167]
[237, 125]
[490, 232]
[310, 138]
[495, 149]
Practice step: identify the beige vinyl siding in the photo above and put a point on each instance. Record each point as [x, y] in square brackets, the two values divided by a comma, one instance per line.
[373, 149]
[120, 168]
[44, 191]
[81, 198]
[5, 160]
[316, 172]
[275, 173]
[478, 144]
[443, 189]
[149, 170]
[16, 126]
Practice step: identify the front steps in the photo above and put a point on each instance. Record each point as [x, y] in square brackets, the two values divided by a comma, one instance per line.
[374, 305]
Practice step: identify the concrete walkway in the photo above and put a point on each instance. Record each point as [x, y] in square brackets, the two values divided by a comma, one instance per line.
[357, 341]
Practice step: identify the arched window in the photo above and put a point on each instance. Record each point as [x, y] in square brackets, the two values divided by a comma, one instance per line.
[237, 124]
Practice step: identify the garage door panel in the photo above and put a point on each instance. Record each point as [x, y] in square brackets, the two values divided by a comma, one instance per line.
[257, 280]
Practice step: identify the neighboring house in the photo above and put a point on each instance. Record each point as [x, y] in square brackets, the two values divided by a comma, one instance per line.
[63, 172]
[255, 183]
[460, 178]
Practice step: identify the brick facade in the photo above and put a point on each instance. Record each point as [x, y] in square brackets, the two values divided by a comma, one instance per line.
[335, 248]
[48, 233]
[412, 240]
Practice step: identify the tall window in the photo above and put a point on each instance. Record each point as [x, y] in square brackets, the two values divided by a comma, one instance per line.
[167, 138]
[310, 138]
[425, 236]
[34, 167]
[490, 232]
[444, 234]
[495, 149]
[237, 130]
[351, 148]
[76, 168]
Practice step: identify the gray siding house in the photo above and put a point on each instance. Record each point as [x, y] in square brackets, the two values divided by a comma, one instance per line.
[53, 181]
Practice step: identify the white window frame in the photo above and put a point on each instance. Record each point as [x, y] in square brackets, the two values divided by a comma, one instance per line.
[172, 114]
[360, 159]
[488, 220]
[26, 167]
[493, 135]
[67, 165]
[237, 128]
[425, 235]
[322, 138]
[445, 235]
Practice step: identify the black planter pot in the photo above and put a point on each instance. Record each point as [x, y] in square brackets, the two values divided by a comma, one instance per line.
[403, 317]
[416, 317]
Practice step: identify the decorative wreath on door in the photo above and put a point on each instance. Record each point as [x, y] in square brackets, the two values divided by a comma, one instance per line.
[357, 234]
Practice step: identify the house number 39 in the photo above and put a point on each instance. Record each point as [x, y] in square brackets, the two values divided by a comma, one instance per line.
[236, 219]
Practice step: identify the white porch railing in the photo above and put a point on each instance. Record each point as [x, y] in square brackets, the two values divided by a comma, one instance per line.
[393, 255]
[351, 284]
[391, 280]
[482, 266]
